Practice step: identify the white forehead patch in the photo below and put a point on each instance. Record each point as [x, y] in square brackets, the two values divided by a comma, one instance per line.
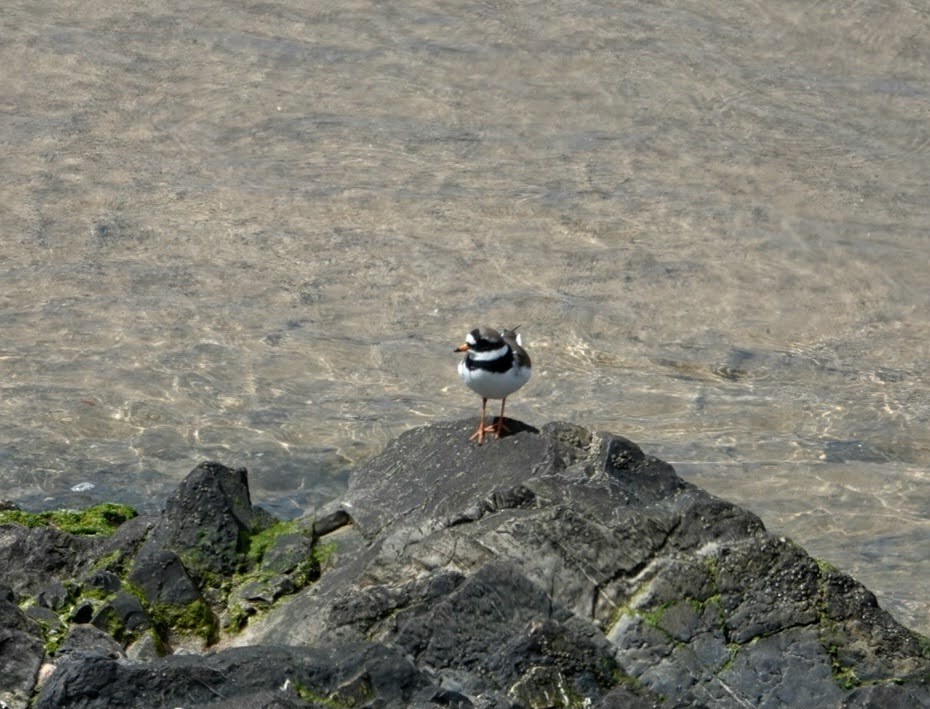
[470, 339]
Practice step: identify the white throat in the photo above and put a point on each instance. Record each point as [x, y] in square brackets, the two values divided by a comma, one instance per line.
[488, 356]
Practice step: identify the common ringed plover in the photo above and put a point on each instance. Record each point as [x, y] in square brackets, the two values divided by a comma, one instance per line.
[494, 367]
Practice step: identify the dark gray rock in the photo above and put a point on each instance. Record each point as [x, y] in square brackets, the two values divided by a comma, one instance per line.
[265, 591]
[623, 698]
[115, 552]
[21, 653]
[83, 611]
[32, 557]
[349, 675]
[286, 552]
[123, 616]
[867, 641]
[330, 522]
[86, 640]
[104, 581]
[163, 578]
[147, 648]
[54, 596]
[206, 519]
[912, 695]
[561, 566]
[787, 669]
[552, 568]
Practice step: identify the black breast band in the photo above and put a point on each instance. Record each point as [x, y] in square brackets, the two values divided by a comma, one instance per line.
[499, 365]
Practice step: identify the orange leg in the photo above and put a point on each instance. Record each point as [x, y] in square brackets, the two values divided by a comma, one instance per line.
[482, 429]
[500, 427]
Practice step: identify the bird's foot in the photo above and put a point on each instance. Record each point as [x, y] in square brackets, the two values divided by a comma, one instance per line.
[483, 429]
[497, 428]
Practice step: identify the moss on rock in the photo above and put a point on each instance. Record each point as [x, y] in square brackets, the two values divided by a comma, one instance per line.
[103, 519]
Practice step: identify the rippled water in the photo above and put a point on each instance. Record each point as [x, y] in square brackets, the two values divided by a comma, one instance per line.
[253, 232]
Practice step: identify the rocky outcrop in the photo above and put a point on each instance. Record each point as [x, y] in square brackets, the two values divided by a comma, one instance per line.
[552, 568]
[474, 554]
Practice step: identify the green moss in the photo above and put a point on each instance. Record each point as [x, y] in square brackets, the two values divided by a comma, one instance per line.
[324, 552]
[924, 643]
[115, 561]
[733, 649]
[311, 697]
[653, 616]
[53, 639]
[309, 571]
[101, 519]
[238, 618]
[619, 677]
[845, 677]
[334, 701]
[195, 618]
[826, 567]
[712, 567]
[617, 614]
[257, 543]
[137, 592]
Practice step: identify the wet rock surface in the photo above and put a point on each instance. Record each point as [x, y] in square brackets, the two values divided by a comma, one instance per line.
[556, 567]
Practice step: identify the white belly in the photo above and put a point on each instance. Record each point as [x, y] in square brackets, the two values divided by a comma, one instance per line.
[493, 385]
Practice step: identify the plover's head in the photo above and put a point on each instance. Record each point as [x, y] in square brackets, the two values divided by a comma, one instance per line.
[481, 339]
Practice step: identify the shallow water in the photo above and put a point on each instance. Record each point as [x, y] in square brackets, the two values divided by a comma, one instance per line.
[253, 232]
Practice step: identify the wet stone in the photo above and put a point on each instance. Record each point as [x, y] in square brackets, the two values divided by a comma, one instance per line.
[145, 649]
[122, 614]
[331, 522]
[163, 578]
[266, 591]
[21, 654]
[104, 581]
[45, 616]
[54, 596]
[89, 640]
[286, 552]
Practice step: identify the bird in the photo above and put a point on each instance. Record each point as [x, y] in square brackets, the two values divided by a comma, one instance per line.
[494, 367]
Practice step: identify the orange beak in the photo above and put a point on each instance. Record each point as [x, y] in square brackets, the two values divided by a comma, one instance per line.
[462, 348]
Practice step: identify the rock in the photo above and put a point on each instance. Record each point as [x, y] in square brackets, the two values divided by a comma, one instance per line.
[31, 557]
[21, 654]
[330, 522]
[123, 617]
[86, 640]
[54, 596]
[552, 568]
[286, 552]
[265, 591]
[622, 697]
[83, 612]
[41, 615]
[562, 567]
[888, 696]
[104, 581]
[113, 553]
[146, 648]
[163, 578]
[205, 520]
[247, 677]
